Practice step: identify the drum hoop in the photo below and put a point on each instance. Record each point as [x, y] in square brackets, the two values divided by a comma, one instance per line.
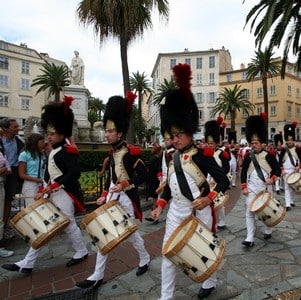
[171, 252]
[264, 205]
[293, 182]
[278, 220]
[97, 212]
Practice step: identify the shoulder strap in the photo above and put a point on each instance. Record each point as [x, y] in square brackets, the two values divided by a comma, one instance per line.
[184, 187]
[291, 157]
[257, 167]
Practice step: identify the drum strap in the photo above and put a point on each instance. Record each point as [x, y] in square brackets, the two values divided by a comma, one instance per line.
[257, 166]
[291, 157]
[183, 184]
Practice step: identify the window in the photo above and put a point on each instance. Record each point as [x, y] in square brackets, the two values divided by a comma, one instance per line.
[25, 67]
[273, 110]
[244, 75]
[289, 110]
[211, 61]
[229, 77]
[289, 69]
[259, 92]
[211, 97]
[245, 114]
[188, 61]
[24, 84]
[198, 78]
[273, 89]
[25, 103]
[173, 62]
[199, 98]
[298, 111]
[297, 92]
[211, 78]
[289, 90]
[199, 62]
[201, 114]
[3, 63]
[4, 80]
[3, 46]
[259, 110]
[3, 100]
[245, 93]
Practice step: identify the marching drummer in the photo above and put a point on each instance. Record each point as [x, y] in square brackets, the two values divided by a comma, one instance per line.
[61, 180]
[126, 172]
[290, 161]
[259, 171]
[189, 191]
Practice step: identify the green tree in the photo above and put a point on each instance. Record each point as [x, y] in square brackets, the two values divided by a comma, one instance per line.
[280, 22]
[141, 85]
[230, 102]
[263, 66]
[124, 20]
[166, 85]
[54, 78]
[95, 109]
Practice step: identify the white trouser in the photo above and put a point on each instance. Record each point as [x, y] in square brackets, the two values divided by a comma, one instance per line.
[63, 201]
[221, 217]
[250, 220]
[178, 211]
[233, 169]
[289, 193]
[135, 239]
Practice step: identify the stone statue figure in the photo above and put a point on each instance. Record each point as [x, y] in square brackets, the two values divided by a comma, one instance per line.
[77, 70]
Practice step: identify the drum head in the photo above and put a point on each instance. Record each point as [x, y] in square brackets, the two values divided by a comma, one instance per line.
[293, 178]
[260, 201]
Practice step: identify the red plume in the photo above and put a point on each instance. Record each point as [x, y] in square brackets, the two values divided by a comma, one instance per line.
[130, 98]
[68, 102]
[263, 116]
[294, 124]
[219, 120]
[182, 73]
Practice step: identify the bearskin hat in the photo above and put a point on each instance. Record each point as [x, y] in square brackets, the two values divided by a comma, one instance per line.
[212, 131]
[255, 128]
[179, 112]
[58, 117]
[118, 112]
[289, 131]
[232, 137]
[278, 139]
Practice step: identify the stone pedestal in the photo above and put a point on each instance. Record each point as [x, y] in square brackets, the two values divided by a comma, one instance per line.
[80, 109]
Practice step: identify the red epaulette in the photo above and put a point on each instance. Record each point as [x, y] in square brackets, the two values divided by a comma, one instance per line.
[226, 155]
[272, 152]
[134, 150]
[71, 149]
[209, 152]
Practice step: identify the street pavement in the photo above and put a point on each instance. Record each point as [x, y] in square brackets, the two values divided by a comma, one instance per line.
[269, 270]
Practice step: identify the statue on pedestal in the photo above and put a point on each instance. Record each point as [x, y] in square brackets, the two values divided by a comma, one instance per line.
[77, 70]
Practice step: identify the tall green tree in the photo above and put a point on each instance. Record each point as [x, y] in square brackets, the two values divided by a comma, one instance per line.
[278, 21]
[95, 109]
[264, 66]
[166, 85]
[141, 85]
[230, 102]
[54, 78]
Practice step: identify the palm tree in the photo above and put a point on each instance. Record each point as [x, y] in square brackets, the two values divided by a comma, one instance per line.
[264, 66]
[141, 85]
[166, 85]
[121, 19]
[54, 78]
[95, 108]
[230, 102]
[281, 20]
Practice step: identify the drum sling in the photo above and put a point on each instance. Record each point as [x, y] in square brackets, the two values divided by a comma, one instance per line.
[257, 167]
[291, 158]
[184, 187]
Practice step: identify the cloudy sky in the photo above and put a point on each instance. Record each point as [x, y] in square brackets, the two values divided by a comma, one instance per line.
[51, 26]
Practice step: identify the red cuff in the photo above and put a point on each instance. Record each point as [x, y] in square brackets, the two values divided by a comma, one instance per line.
[161, 202]
[104, 194]
[274, 177]
[244, 186]
[124, 184]
[212, 195]
[54, 186]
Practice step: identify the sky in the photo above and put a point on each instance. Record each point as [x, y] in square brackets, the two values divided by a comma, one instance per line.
[52, 26]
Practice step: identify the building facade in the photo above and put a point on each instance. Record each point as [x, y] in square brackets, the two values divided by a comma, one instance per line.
[206, 67]
[19, 65]
[284, 98]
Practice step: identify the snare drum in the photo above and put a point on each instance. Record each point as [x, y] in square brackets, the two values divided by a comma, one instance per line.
[108, 225]
[195, 249]
[38, 223]
[268, 209]
[294, 181]
[220, 200]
